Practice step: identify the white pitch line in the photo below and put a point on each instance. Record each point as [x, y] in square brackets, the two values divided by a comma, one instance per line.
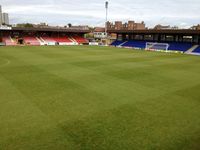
[7, 62]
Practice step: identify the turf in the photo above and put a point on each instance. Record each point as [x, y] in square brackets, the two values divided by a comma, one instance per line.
[98, 98]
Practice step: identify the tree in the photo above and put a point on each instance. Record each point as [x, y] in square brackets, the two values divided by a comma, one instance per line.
[69, 25]
[25, 25]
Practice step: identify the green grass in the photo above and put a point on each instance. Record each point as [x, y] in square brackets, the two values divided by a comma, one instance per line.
[98, 98]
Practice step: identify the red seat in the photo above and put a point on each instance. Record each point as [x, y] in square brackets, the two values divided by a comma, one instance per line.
[31, 40]
[8, 41]
[62, 39]
[80, 39]
[48, 39]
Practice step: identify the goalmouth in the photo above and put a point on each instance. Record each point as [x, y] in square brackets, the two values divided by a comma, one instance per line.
[157, 46]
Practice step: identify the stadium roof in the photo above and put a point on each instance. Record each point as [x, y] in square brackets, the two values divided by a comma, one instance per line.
[49, 30]
[153, 31]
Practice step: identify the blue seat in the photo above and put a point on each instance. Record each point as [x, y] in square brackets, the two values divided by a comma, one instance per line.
[136, 44]
[174, 46]
[177, 46]
[197, 50]
[117, 43]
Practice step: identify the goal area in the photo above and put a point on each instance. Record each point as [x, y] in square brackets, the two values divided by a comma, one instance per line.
[156, 46]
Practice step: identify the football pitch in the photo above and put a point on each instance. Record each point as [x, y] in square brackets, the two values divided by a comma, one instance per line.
[98, 98]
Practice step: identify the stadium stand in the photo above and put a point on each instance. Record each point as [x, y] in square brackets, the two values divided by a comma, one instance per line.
[62, 39]
[47, 39]
[174, 46]
[79, 39]
[197, 50]
[190, 51]
[8, 41]
[117, 43]
[31, 41]
[180, 46]
[135, 44]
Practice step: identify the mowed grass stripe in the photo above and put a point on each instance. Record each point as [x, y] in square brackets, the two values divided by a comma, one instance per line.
[81, 97]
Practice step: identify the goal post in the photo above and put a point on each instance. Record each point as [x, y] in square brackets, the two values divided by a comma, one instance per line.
[156, 46]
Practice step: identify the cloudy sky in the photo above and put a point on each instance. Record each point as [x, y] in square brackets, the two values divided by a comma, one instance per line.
[183, 13]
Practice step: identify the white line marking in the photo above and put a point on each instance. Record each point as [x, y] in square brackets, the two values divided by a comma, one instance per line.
[7, 62]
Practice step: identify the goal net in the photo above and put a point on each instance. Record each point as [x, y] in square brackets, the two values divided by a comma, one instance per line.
[157, 46]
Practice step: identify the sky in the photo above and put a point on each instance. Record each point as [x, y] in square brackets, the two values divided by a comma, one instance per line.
[183, 13]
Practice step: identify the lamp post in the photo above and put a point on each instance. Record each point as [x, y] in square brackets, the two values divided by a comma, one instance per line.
[106, 27]
[106, 5]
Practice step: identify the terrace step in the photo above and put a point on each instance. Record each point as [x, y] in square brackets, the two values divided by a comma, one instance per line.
[41, 42]
[123, 43]
[192, 49]
[72, 39]
[11, 39]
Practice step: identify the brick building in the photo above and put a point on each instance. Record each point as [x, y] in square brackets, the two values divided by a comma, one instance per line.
[130, 25]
